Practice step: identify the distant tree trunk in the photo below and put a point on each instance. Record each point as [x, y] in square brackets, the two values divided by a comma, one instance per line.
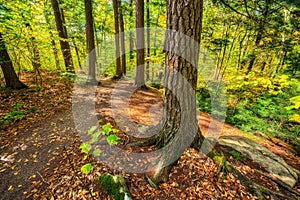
[36, 62]
[117, 40]
[55, 52]
[240, 49]
[148, 42]
[122, 38]
[77, 53]
[90, 39]
[54, 49]
[131, 56]
[62, 32]
[179, 117]
[10, 76]
[253, 56]
[140, 44]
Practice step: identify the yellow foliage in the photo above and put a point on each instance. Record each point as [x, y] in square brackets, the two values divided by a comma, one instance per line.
[295, 118]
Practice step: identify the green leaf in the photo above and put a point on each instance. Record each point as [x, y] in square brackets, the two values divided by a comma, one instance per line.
[85, 148]
[115, 130]
[86, 169]
[112, 139]
[92, 130]
[96, 152]
[106, 128]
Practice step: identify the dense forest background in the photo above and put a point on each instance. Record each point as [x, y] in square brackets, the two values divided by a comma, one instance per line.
[250, 49]
[252, 45]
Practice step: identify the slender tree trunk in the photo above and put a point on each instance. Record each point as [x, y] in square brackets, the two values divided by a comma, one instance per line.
[77, 53]
[90, 39]
[122, 38]
[62, 32]
[10, 76]
[253, 56]
[179, 117]
[140, 44]
[148, 42]
[117, 38]
[36, 63]
[240, 49]
[54, 49]
[131, 56]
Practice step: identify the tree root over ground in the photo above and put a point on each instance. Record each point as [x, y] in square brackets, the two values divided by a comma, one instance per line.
[258, 190]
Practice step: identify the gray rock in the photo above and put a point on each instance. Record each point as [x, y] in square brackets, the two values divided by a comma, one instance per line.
[274, 164]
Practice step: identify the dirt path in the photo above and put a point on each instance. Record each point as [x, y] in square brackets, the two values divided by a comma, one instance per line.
[43, 161]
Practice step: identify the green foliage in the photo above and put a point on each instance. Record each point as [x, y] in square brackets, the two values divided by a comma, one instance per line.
[86, 169]
[257, 104]
[237, 155]
[115, 186]
[16, 114]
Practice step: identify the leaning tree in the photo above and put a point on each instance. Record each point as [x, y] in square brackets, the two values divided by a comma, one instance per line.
[10, 76]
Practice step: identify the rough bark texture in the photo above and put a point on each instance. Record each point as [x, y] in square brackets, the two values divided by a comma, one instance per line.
[148, 42]
[11, 79]
[184, 18]
[90, 39]
[62, 32]
[122, 38]
[140, 44]
[131, 56]
[117, 40]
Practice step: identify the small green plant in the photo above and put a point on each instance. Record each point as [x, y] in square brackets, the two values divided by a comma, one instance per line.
[94, 132]
[15, 114]
[237, 155]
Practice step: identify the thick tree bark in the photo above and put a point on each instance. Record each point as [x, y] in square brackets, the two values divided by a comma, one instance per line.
[90, 39]
[62, 32]
[148, 42]
[140, 44]
[117, 40]
[182, 45]
[122, 38]
[131, 56]
[10, 76]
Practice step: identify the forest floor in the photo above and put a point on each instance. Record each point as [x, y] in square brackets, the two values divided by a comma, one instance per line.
[40, 156]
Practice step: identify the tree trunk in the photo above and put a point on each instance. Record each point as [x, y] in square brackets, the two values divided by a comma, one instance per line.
[62, 32]
[140, 44]
[148, 42]
[10, 76]
[54, 49]
[180, 126]
[131, 56]
[253, 56]
[77, 53]
[122, 38]
[117, 40]
[90, 39]
[36, 62]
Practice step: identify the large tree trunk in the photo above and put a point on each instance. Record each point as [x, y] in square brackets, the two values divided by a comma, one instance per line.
[90, 39]
[117, 40]
[140, 44]
[148, 42]
[10, 76]
[62, 32]
[122, 38]
[180, 126]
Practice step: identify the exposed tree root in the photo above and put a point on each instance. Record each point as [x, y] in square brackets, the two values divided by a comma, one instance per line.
[258, 190]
